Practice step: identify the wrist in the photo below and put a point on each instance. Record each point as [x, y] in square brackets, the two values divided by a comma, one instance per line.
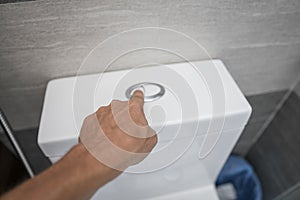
[90, 167]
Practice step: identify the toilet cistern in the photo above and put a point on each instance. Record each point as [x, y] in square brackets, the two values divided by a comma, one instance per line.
[196, 108]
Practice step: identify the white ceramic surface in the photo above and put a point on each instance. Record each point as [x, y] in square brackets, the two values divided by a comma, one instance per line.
[201, 114]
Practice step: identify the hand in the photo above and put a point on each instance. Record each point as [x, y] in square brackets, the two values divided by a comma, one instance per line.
[118, 135]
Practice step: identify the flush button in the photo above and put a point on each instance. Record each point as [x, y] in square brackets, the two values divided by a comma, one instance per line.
[152, 91]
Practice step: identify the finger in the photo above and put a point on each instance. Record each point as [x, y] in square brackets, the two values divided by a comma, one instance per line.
[137, 98]
[102, 109]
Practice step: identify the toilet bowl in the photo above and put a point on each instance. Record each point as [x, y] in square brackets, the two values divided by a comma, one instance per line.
[196, 108]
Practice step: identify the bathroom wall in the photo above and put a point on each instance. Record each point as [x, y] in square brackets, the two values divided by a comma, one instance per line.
[275, 155]
[297, 88]
[264, 107]
[259, 41]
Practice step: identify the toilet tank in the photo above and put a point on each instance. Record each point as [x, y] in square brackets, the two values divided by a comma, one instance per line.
[196, 108]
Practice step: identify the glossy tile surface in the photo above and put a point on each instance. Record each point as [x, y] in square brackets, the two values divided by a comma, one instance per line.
[41, 40]
[263, 106]
[276, 155]
[28, 143]
[12, 171]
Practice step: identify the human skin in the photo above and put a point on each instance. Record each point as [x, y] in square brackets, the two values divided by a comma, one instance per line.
[78, 175]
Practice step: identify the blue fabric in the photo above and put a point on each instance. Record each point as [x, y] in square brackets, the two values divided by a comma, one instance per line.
[240, 174]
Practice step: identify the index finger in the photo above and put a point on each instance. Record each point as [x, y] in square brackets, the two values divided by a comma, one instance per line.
[137, 97]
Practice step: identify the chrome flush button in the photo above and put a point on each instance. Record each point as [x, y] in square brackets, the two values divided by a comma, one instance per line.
[152, 91]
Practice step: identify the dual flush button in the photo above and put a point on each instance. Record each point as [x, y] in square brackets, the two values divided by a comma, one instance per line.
[152, 91]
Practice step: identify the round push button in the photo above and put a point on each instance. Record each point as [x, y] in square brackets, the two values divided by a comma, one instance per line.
[152, 91]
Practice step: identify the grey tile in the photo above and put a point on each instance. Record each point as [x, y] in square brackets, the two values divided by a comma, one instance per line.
[12, 171]
[28, 140]
[297, 89]
[42, 40]
[271, 186]
[4, 140]
[246, 140]
[263, 106]
[23, 108]
[242, 149]
[250, 132]
[291, 194]
[275, 156]
[28, 143]
[13, 1]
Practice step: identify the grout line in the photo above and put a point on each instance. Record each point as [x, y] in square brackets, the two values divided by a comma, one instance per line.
[294, 85]
[276, 110]
[286, 192]
[272, 115]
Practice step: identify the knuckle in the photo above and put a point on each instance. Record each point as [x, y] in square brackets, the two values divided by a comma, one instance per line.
[115, 101]
[101, 109]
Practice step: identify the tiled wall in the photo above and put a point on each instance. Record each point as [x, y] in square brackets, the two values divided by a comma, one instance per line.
[276, 154]
[297, 88]
[42, 40]
[12, 172]
[264, 106]
[12, 1]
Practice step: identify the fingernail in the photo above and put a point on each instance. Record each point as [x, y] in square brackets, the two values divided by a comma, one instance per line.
[140, 88]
